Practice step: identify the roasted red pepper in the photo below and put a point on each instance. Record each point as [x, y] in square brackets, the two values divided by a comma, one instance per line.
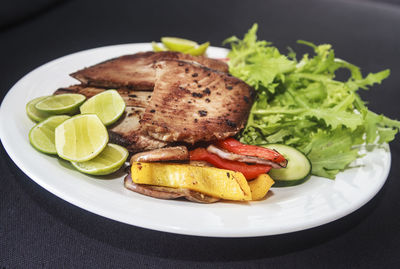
[234, 146]
[249, 171]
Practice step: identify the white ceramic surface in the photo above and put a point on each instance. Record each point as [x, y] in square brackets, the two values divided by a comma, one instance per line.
[316, 202]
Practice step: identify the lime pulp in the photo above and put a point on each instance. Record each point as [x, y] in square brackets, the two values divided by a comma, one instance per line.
[108, 106]
[178, 44]
[42, 136]
[108, 161]
[61, 104]
[81, 138]
[33, 113]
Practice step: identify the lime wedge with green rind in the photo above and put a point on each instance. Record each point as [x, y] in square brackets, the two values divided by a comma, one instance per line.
[42, 136]
[67, 103]
[108, 106]
[197, 51]
[33, 113]
[156, 47]
[178, 44]
[81, 138]
[108, 161]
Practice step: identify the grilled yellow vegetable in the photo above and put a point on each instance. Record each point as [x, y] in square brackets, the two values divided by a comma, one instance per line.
[260, 186]
[220, 183]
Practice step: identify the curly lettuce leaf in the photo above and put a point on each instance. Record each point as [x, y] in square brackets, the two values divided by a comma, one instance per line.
[301, 104]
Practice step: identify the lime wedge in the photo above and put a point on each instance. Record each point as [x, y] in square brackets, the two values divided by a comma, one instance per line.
[108, 106]
[197, 51]
[178, 44]
[156, 47]
[33, 113]
[61, 104]
[81, 138]
[108, 161]
[41, 136]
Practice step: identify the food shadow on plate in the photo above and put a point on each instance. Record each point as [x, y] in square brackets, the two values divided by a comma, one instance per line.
[158, 244]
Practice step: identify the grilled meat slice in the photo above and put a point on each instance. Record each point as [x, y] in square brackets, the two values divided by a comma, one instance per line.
[144, 142]
[81, 89]
[192, 103]
[131, 98]
[136, 71]
[127, 130]
[167, 192]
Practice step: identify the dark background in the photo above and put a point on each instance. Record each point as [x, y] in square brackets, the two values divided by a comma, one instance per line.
[39, 230]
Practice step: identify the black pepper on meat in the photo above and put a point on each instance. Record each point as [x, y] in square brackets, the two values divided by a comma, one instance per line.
[230, 123]
[206, 91]
[197, 94]
[202, 113]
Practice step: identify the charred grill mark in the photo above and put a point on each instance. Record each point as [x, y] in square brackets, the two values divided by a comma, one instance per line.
[202, 113]
[197, 94]
[246, 99]
[66, 90]
[207, 91]
[195, 75]
[183, 89]
[208, 100]
[230, 123]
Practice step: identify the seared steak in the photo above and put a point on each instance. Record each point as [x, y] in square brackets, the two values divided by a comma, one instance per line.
[192, 103]
[193, 98]
[136, 71]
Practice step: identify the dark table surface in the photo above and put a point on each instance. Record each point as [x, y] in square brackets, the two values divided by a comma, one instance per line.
[40, 230]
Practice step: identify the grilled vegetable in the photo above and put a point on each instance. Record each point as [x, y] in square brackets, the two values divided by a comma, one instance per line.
[234, 146]
[220, 183]
[297, 171]
[260, 186]
[249, 171]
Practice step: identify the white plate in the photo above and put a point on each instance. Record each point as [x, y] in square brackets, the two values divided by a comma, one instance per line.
[316, 202]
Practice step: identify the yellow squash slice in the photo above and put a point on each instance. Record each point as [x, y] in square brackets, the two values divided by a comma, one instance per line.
[260, 186]
[220, 183]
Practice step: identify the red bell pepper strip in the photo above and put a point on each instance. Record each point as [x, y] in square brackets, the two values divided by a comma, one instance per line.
[249, 171]
[234, 146]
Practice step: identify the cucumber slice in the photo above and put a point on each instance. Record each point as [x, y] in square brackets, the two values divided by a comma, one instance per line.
[297, 171]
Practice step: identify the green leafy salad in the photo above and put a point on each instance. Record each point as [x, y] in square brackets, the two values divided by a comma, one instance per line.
[299, 103]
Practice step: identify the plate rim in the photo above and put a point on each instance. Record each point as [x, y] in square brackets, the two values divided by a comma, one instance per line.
[143, 224]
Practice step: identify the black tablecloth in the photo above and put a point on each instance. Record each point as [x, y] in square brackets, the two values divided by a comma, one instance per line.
[40, 230]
